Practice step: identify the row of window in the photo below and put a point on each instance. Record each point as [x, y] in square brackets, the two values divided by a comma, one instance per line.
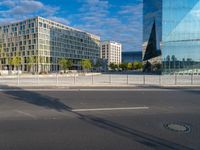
[19, 33]
[67, 34]
[30, 47]
[19, 38]
[17, 28]
[22, 53]
[68, 39]
[56, 27]
[26, 42]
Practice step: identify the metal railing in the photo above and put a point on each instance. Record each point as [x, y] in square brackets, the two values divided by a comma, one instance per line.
[99, 79]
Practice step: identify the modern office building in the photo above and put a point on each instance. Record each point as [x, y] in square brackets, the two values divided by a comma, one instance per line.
[112, 51]
[171, 36]
[133, 56]
[46, 41]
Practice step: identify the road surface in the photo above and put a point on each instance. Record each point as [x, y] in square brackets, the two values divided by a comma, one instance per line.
[99, 119]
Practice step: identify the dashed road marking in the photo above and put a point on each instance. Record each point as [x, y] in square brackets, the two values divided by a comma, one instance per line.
[110, 109]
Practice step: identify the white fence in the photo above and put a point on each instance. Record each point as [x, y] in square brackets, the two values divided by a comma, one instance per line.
[99, 79]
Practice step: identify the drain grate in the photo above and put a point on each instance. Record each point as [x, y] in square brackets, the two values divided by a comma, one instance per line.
[177, 127]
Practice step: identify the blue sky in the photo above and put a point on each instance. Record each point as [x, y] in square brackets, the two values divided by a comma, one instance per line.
[118, 20]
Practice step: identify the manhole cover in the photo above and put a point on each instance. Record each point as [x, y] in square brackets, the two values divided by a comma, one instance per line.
[177, 127]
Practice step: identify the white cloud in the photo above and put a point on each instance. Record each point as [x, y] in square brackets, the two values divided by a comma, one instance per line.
[49, 10]
[93, 16]
[134, 9]
[25, 7]
[59, 19]
[124, 26]
[7, 21]
[9, 3]
[16, 10]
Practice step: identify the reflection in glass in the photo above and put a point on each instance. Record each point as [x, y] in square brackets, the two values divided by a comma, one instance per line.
[177, 25]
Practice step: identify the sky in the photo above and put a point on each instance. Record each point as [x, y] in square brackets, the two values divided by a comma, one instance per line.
[116, 20]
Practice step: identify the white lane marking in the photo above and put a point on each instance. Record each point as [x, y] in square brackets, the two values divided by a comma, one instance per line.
[121, 90]
[26, 114]
[140, 90]
[110, 109]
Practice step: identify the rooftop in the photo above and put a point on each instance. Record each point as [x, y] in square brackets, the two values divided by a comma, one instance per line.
[59, 25]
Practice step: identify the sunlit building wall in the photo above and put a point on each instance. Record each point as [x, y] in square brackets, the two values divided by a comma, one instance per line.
[47, 41]
[112, 51]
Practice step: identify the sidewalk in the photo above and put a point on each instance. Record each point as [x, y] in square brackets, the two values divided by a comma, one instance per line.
[104, 80]
[110, 86]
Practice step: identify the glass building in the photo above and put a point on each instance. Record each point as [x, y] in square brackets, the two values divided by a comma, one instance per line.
[173, 27]
[133, 56]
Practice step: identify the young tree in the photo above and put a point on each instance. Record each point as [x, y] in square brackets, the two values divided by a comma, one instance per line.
[65, 64]
[16, 60]
[116, 66]
[69, 63]
[130, 66]
[140, 65]
[137, 65]
[10, 63]
[31, 60]
[112, 66]
[86, 64]
[97, 64]
[123, 66]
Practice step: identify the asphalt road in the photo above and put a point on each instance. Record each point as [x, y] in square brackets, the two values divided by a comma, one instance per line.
[98, 120]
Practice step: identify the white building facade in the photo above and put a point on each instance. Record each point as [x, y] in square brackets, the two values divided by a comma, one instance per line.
[46, 41]
[112, 51]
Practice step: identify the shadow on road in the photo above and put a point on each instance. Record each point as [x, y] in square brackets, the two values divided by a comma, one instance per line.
[116, 128]
[36, 99]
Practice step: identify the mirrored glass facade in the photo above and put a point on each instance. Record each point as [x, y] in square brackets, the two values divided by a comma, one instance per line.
[178, 34]
[152, 35]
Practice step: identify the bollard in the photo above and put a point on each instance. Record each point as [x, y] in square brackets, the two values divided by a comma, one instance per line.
[56, 79]
[38, 78]
[127, 79]
[160, 80]
[192, 79]
[144, 80]
[74, 78]
[110, 79]
[18, 82]
[92, 79]
[175, 80]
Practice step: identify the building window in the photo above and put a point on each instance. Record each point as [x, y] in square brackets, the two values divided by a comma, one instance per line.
[32, 30]
[40, 24]
[45, 25]
[34, 41]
